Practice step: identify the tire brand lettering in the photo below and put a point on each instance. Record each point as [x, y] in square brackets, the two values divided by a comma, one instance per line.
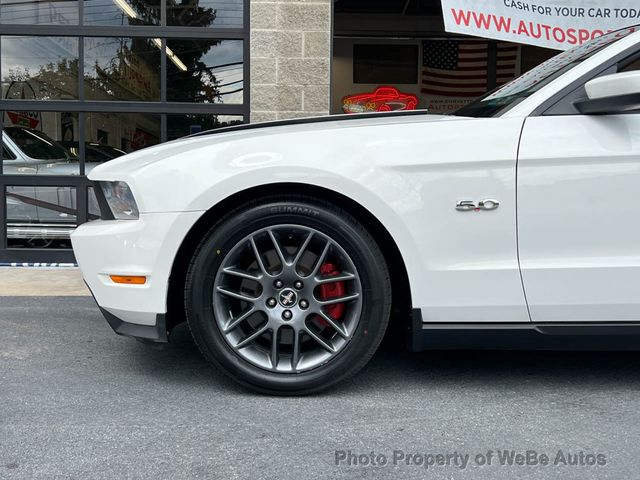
[297, 210]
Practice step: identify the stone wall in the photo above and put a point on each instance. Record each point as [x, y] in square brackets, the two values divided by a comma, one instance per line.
[290, 58]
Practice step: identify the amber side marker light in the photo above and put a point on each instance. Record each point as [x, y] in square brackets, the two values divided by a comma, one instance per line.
[128, 279]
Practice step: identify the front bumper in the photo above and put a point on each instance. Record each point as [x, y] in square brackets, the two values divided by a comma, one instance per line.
[147, 333]
[144, 247]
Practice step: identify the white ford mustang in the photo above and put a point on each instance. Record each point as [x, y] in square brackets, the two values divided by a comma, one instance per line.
[289, 247]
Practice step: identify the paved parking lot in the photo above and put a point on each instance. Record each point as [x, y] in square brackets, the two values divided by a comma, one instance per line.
[79, 402]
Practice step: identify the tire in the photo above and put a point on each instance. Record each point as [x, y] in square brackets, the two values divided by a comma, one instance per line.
[335, 287]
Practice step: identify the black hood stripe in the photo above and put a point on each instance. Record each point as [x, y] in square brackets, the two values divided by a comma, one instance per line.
[302, 121]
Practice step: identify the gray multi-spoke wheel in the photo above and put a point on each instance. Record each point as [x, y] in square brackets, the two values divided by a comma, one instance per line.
[288, 296]
[270, 299]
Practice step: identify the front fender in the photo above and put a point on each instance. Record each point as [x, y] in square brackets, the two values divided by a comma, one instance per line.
[370, 200]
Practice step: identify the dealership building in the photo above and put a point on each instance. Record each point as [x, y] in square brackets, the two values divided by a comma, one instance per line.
[84, 82]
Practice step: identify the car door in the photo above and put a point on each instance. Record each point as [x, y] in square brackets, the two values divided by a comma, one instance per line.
[578, 192]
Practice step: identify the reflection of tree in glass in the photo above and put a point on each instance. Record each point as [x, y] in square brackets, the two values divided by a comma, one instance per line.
[123, 69]
[55, 80]
[198, 83]
[189, 13]
[148, 12]
[131, 72]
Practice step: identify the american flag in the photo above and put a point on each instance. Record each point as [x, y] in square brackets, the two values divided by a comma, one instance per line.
[455, 68]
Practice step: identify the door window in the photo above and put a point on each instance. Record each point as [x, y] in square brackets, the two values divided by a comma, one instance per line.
[565, 106]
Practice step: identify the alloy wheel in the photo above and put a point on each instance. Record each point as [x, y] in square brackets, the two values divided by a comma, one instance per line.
[287, 298]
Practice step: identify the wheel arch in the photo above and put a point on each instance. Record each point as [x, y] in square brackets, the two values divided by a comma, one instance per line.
[401, 291]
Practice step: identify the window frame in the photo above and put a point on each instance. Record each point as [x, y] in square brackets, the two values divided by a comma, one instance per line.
[82, 107]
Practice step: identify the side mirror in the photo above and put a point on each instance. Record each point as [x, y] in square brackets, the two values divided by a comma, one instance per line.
[611, 94]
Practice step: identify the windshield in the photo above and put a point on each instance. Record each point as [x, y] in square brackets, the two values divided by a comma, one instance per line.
[107, 151]
[509, 95]
[36, 144]
[94, 152]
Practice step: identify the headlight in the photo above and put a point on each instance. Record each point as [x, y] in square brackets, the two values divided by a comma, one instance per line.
[120, 200]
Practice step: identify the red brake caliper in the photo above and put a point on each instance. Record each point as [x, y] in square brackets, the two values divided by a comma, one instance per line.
[331, 290]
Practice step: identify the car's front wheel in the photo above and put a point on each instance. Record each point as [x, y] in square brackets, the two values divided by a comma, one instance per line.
[288, 295]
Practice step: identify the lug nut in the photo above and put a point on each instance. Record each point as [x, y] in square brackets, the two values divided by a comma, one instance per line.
[287, 315]
[304, 304]
[271, 302]
[278, 284]
[298, 285]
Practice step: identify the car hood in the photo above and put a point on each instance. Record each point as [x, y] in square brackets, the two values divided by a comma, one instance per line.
[135, 161]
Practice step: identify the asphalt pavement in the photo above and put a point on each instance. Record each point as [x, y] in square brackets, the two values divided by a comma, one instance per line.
[79, 402]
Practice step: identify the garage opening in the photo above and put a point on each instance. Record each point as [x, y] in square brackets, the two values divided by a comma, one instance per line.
[395, 55]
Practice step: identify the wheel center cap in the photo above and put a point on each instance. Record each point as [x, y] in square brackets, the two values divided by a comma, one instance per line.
[288, 298]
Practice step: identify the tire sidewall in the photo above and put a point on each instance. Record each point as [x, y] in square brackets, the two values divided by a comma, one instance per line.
[340, 227]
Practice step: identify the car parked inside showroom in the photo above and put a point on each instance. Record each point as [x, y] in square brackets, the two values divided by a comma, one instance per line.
[291, 247]
[45, 216]
[95, 152]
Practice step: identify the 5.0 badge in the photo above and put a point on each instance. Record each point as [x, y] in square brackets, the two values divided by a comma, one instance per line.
[468, 205]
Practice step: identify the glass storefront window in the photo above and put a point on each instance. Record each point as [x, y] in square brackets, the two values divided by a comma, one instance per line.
[39, 12]
[205, 13]
[34, 143]
[40, 217]
[117, 68]
[122, 12]
[111, 135]
[205, 71]
[39, 68]
[182, 125]
[112, 70]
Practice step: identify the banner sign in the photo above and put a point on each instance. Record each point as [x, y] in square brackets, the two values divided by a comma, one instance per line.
[559, 24]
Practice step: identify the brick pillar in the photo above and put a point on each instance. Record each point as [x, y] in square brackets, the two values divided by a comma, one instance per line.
[290, 58]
